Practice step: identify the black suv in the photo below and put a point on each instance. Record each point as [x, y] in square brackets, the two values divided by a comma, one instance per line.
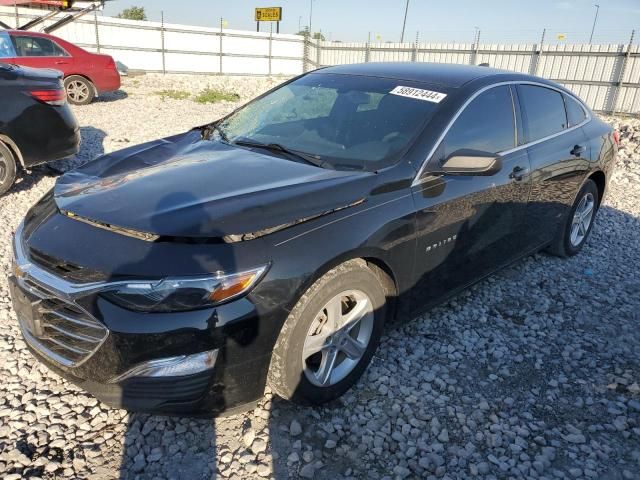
[36, 123]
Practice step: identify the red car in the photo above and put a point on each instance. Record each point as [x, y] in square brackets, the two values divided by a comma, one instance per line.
[86, 74]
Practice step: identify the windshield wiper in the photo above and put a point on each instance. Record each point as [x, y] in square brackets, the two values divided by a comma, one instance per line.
[213, 127]
[276, 147]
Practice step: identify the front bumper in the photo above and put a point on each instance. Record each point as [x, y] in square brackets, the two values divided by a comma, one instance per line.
[91, 343]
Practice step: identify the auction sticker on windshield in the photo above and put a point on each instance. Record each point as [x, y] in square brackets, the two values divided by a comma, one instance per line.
[418, 93]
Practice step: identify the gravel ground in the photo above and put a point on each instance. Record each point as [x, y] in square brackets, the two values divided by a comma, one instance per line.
[531, 373]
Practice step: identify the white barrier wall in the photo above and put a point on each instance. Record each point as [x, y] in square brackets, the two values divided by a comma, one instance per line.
[607, 77]
[152, 46]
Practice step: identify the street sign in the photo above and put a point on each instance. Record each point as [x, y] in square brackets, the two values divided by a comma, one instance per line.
[269, 14]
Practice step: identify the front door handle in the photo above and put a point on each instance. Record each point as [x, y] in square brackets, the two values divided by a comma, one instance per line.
[62, 62]
[578, 150]
[518, 173]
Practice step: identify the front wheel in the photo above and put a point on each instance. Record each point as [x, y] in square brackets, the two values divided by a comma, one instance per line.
[330, 336]
[579, 222]
[80, 91]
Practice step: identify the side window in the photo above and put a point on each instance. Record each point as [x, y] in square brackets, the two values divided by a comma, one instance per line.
[6, 47]
[542, 110]
[36, 47]
[486, 124]
[575, 112]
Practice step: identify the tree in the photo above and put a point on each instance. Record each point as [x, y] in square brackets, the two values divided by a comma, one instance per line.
[133, 13]
[316, 36]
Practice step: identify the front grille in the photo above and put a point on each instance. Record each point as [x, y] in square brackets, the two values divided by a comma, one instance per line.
[68, 271]
[66, 333]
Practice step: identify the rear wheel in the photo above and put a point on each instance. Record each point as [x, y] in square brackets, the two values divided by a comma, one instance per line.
[579, 222]
[330, 336]
[7, 168]
[80, 91]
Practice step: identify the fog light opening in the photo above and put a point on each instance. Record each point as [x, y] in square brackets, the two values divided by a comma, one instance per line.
[172, 366]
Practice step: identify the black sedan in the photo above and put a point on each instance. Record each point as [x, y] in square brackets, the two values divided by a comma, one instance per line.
[271, 247]
[36, 123]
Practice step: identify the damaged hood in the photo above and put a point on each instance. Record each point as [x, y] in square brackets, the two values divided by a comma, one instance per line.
[184, 186]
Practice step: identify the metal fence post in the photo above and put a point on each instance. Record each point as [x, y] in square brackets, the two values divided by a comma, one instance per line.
[367, 49]
[164, 64]
[220, 56]
[537, 54]
[305, 54]
[318, 53]
[474, 57]
[270, 45]
[623, 68]
[414, 54]
[95, 24]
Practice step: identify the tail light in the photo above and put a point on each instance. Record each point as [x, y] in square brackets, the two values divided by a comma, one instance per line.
[52, 97]
[616, 137]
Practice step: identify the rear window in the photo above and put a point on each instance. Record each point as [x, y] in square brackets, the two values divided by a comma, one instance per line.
[542, 110]
[575, 113]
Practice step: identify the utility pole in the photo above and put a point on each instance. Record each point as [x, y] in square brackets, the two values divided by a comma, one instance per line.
[594, 23]
[404, 23]
[310, 19]
[300, 23]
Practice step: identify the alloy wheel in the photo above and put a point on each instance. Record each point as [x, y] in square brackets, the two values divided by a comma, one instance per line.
[78, 91]
[338, 338]
[582, 219]
[3, 168]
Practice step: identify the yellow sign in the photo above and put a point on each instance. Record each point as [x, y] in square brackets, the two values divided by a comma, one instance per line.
[269, 14]
[561, 36]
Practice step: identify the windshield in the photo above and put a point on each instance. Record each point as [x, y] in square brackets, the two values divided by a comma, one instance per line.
[6, 47]
[343, 121]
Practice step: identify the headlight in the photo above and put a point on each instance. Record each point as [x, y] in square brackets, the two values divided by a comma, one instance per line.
[182, 294]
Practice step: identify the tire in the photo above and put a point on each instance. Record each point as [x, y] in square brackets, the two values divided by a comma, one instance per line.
[80, 91]
[293, 378]
[570, 241]
[8, 168]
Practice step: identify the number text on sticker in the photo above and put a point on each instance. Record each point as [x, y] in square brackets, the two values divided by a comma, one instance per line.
[419, 94]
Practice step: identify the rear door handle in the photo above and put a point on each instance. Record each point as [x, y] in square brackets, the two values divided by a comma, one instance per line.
[578, 150]
[62, 63]
[518, 173]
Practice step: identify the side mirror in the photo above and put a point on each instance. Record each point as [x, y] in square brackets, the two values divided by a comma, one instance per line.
[471, 163]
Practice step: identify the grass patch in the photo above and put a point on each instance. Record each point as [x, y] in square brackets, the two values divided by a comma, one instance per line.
[173, 94]
[209, 95]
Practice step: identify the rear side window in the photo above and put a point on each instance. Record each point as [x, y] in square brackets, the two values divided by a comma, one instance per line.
[542, 110]
[486, 124]
[575, 112]
[36, 47]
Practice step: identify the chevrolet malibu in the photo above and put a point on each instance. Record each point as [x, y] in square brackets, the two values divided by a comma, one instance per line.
[271, 246]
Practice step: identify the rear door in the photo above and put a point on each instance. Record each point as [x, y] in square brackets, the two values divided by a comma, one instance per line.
[558, 150]
[40, 52]
[468, 226]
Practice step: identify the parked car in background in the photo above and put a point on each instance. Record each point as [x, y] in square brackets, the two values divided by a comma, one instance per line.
[36, 123]
[86, 74]
[271, 246]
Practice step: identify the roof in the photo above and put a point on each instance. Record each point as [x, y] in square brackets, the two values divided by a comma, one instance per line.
[446, 74]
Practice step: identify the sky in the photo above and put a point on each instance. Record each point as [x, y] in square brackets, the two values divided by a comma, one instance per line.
[505, 21]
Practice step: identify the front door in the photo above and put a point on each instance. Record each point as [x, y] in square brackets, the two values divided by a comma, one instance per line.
[468, 226]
